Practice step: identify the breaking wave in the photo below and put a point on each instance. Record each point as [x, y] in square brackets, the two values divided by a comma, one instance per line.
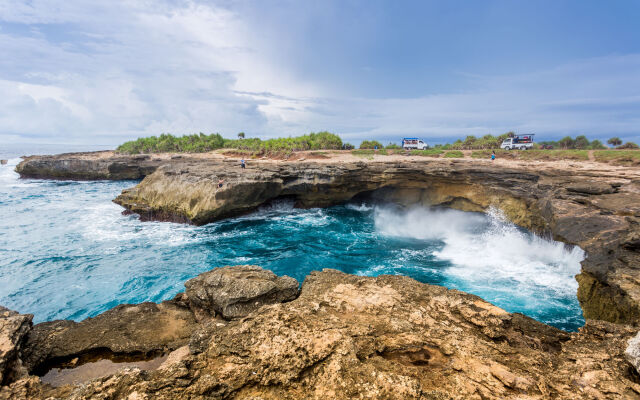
[66, 251]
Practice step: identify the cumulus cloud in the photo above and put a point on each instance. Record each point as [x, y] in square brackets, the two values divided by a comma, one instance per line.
[106, 71]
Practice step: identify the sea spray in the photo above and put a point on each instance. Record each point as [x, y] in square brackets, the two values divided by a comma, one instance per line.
[493, 258]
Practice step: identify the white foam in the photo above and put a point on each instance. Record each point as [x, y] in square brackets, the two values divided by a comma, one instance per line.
[107, 224]
[488, 249]
[362, 207]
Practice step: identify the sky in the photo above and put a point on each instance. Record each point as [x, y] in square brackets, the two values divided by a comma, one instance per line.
[107, 71]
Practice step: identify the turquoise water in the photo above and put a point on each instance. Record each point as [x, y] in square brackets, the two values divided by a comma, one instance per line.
[66, 251]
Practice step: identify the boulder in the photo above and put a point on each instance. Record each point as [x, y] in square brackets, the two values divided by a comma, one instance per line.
[234, 292]
[14, 328]
[632, 353]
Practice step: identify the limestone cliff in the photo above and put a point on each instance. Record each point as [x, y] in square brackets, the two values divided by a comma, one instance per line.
[595, 209]
[88, 166]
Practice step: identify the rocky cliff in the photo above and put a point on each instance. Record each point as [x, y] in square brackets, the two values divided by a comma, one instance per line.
[343, 337]
[89, 166]
[596, 209]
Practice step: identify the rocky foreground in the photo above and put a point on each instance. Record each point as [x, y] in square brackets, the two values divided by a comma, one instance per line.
[244, 333]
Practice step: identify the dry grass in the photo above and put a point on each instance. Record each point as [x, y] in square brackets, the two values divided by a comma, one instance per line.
[618, 157]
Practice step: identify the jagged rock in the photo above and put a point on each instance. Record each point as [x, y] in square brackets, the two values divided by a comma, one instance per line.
[632, 353]
[388, 337]
[234, 292]
[139, 330]
[14, 328]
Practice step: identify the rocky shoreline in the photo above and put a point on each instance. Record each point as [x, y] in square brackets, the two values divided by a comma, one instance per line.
[242, 332]
[345, 336]
[591, 206]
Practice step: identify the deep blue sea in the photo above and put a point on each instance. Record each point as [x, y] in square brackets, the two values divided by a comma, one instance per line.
[67, 252]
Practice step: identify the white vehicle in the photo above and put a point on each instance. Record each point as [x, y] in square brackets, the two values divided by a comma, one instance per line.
[414, 144]
[524, 142]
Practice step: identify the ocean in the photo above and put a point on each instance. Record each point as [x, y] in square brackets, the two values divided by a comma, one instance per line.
[67, 252]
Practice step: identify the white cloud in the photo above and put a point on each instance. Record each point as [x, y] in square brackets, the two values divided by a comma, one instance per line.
[105, 71]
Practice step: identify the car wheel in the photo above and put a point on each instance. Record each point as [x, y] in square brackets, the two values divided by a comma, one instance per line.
[507, 148]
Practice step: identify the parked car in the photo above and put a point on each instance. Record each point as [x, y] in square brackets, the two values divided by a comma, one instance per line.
[414, 144]
[518, 142]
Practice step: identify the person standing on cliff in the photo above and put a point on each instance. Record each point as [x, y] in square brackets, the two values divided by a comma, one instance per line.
[242, 163]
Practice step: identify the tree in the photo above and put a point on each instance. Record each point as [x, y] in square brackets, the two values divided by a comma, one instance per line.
[581, 142]
[597, 145]
[566, 142]
[629, 145]
[241, 135]
[614, 141]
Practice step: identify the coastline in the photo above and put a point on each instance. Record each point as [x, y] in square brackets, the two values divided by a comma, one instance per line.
[573, 202]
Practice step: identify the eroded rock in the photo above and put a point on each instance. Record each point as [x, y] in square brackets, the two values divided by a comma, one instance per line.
[14, 328]
[388, 337]
[139, 331]
[234, 292]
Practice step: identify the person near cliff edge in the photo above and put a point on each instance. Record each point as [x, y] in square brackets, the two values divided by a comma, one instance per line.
[242, 163]
[493, 155]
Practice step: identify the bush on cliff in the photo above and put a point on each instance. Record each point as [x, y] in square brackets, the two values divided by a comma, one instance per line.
[371, 144]
[167, 143]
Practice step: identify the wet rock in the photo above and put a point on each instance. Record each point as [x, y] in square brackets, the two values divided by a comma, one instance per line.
[234, 292]
[139, 331]
[14, 328]
[632, 353]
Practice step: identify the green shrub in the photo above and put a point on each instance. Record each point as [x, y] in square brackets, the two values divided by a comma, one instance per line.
[597, 145]
[628, 146]
[203, 143]
[393, 146]
[371, 144]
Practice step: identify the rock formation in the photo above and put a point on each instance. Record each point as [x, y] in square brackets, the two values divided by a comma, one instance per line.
[89, 166]
[597, 210]
[13, 331]
[234, 292]
[128, 331]
[388, 337]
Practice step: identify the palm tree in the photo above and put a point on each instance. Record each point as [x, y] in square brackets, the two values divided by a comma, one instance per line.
[241, 135]
[614, 141]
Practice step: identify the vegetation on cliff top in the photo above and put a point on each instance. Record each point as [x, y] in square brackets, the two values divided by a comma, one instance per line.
[201, 143]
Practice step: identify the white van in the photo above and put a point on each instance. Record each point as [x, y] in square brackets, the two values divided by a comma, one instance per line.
[414, 144]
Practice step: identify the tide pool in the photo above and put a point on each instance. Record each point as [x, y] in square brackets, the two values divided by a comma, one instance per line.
[67, 252]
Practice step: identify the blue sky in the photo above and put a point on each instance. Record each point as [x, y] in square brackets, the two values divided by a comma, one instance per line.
[107, 71]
